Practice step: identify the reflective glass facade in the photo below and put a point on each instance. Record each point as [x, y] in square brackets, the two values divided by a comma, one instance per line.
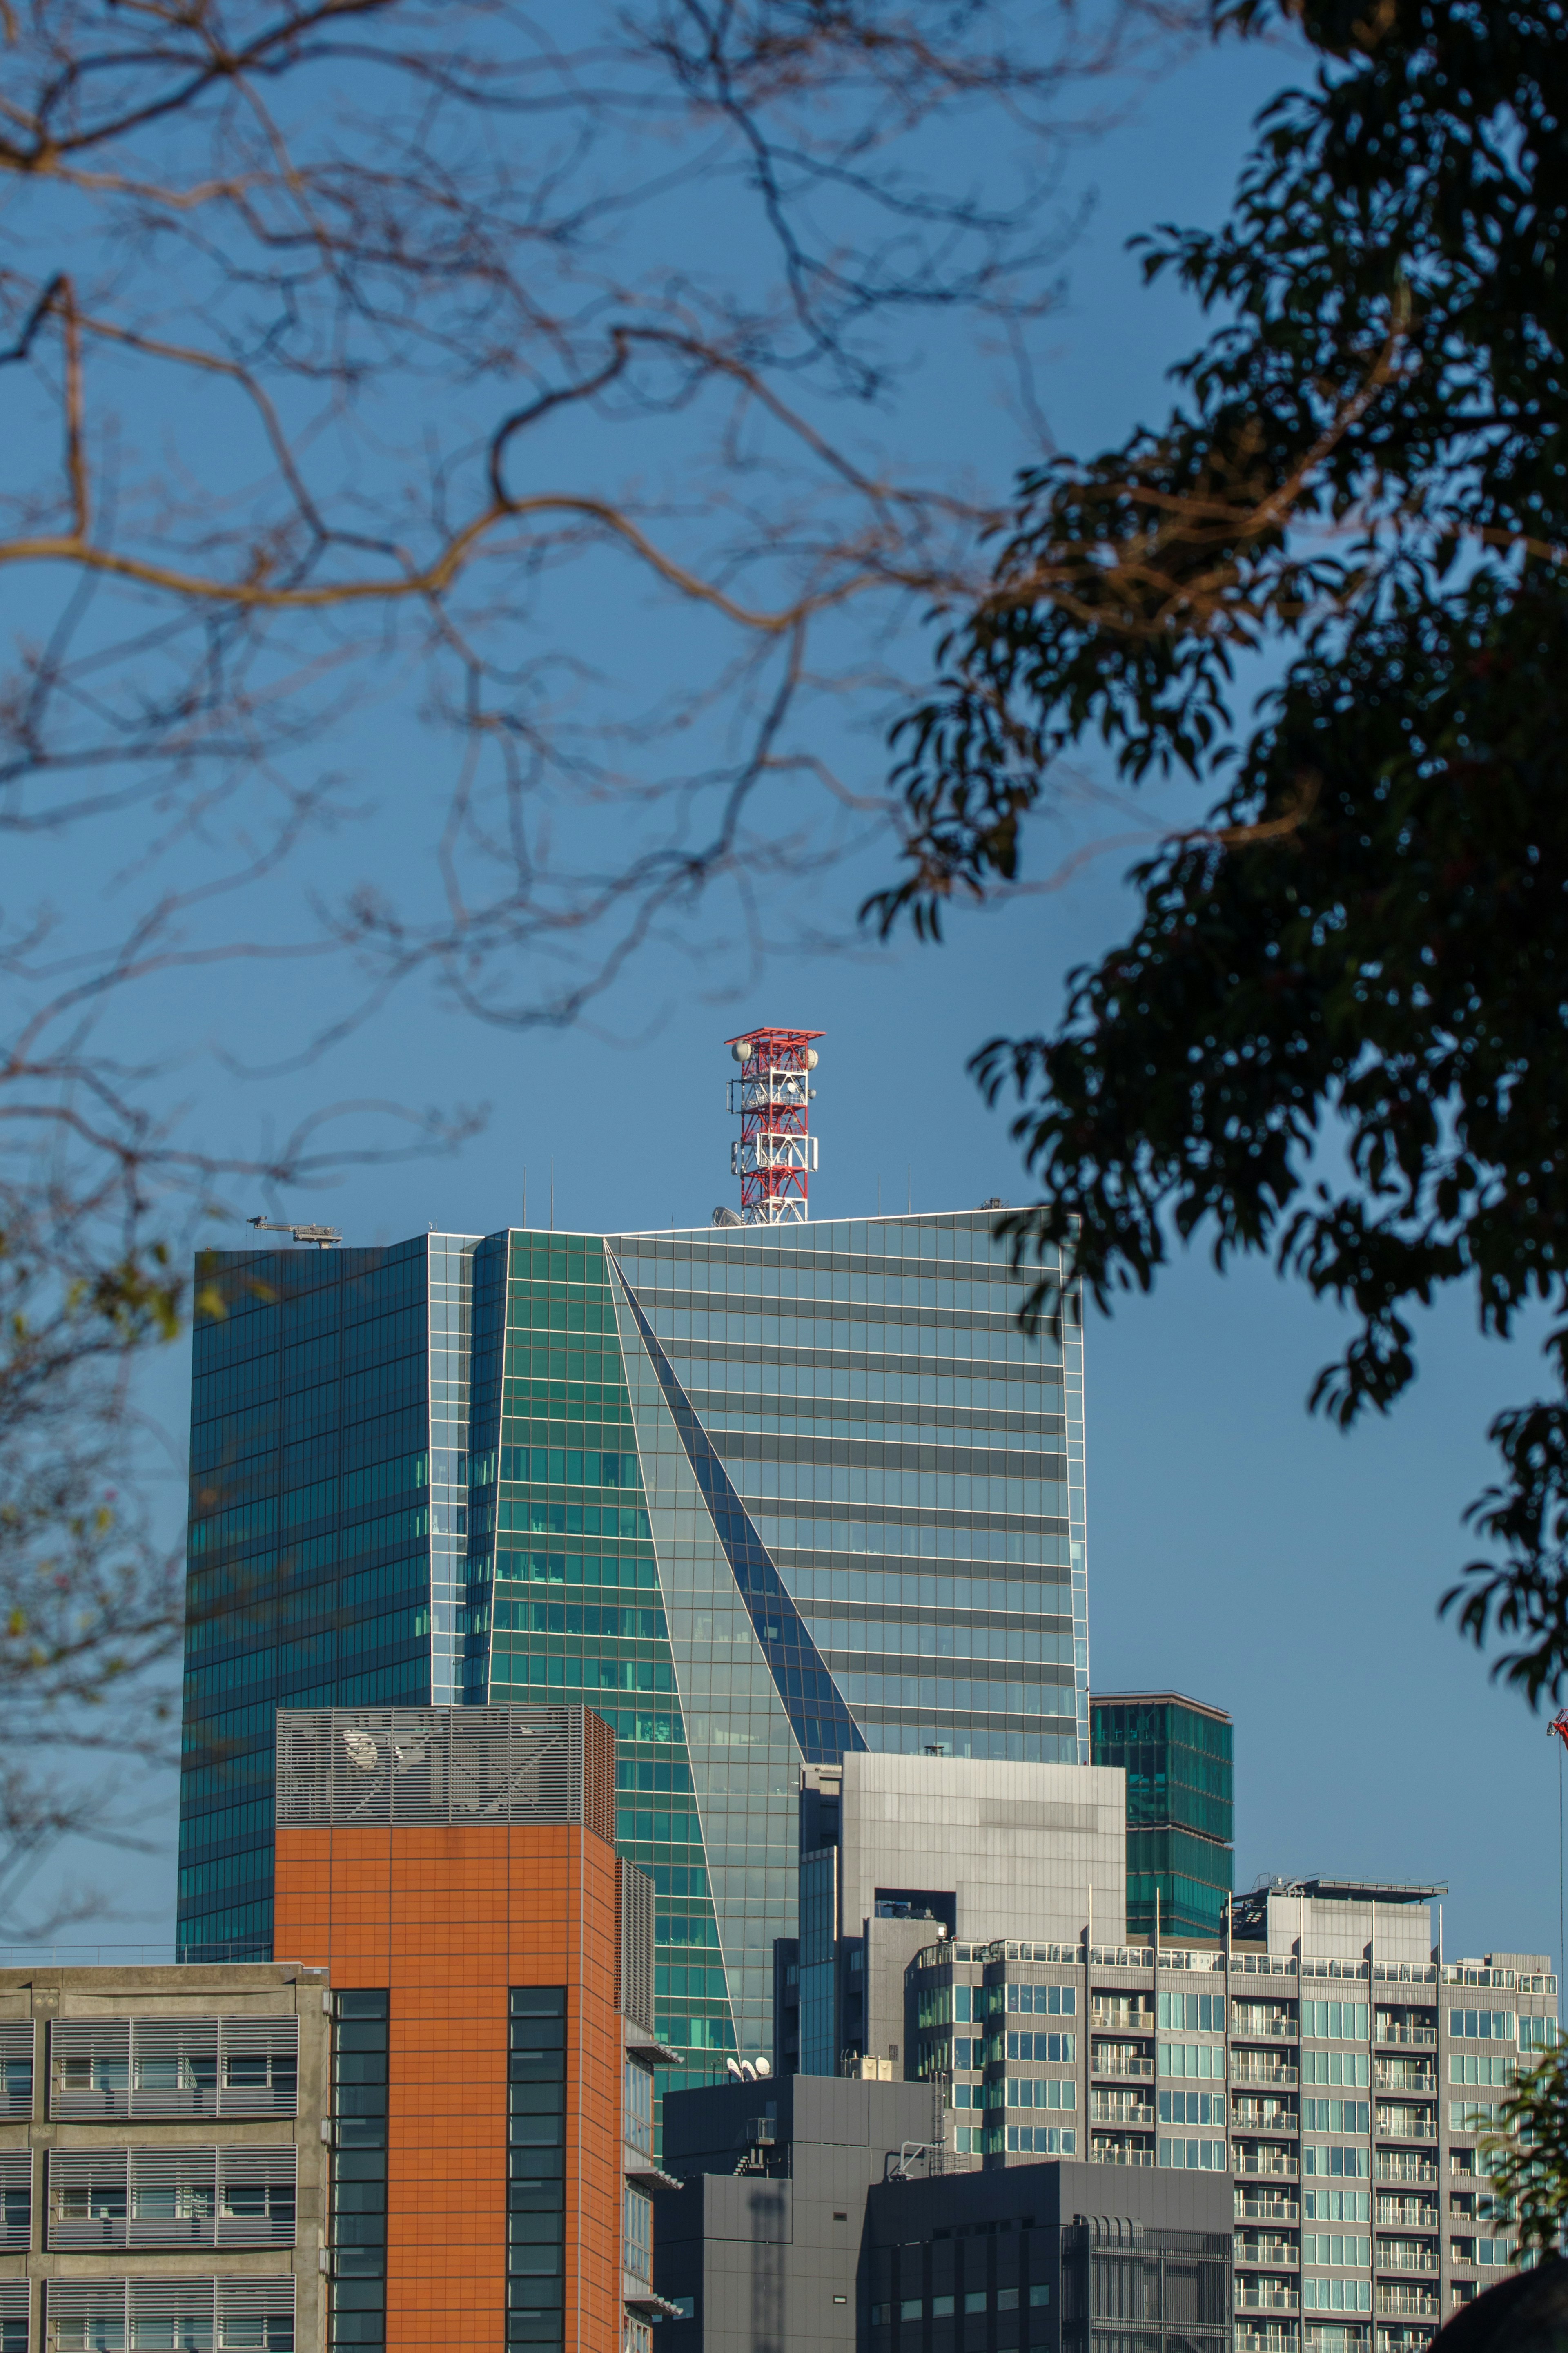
[1178, 1757]
[755, 1494]
[328, 1458]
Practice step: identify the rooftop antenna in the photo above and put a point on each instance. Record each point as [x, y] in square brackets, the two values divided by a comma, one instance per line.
[777, 1155]
[323, 1237]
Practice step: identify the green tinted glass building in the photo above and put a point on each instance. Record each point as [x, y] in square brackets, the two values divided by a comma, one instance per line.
[757, 1494]
[1178, 1755]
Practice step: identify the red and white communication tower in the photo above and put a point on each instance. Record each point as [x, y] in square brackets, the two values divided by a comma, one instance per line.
[776, 1153]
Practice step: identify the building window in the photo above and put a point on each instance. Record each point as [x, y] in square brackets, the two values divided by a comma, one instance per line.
[536, 2169]
[361, 2035]
[1202, 2011]
[1481, 2025]
[638, 2107]
[637, 2234]
[1192, 2156]
[1335, 2021]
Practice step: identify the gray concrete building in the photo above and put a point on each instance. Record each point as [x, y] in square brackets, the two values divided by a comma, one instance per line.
[817, 2216]
[894, 1847]
[162, 2164]
[762, 2247]
[1039, 2257]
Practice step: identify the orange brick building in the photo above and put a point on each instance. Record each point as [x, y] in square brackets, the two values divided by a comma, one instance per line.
[453, 1870]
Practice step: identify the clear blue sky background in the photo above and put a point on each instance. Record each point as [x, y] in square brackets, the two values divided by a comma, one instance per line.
[1239, 1551]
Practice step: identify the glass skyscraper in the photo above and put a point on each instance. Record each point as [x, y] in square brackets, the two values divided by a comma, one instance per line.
[1179, 1757]
[757, 1494]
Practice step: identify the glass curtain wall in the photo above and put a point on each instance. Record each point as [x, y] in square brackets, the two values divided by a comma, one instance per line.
[309, 1576]
[911, 1460]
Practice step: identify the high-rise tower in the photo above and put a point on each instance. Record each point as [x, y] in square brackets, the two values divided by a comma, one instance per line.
[757, 1494]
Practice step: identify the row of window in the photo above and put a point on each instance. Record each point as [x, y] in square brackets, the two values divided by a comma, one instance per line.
[393, 1630]
[966, 2005]
[1192, 2156]
[200, 2315]
[158, 2198]
[1346, 2251]
[361, 2051]
[945, 2307]
[1052, 2048]
[1032, 1644]
[536, 2159]
[1352, 2067]
[1336, 2295]
[544, 1515]
[1198, 2059]
[622, 1568]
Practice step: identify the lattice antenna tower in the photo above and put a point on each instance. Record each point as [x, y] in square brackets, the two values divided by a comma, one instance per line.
[777, 1155]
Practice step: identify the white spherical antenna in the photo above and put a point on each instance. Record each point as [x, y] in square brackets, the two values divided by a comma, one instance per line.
[765, 2066]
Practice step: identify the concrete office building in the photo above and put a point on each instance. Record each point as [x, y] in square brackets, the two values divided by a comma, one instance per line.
[162, 2161]
[891, 1846]
[815, 2214]
[1179, 1758]
[760, 1496]
[491, 1969]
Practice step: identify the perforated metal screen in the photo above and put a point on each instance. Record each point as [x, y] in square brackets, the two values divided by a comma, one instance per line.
[411, 1764]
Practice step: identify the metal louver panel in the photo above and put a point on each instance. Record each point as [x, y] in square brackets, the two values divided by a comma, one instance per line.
[184, 2315]
[261, 2069]
[257, 2196]
[90, 2065]
[636, 1951]
[174, 2067]
[15, 2298]
[16, 2067]
[172, 2198]
[378, 1765]
[16, 2197]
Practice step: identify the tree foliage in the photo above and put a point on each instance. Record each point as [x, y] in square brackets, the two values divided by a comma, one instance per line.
[1339, 1033]
[450, 488]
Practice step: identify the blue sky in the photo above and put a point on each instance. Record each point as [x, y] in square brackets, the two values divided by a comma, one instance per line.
[1240, 1550]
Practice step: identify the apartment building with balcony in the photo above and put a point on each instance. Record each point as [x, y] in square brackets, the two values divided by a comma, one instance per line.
[162, 2168]
[1322, 2057]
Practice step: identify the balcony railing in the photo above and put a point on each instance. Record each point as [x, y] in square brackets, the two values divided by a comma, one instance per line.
[1404, 2124]
[1119, 2063]
[1420, 2214]
[1273, 2254]
[1277, 2030]
[1261, 2164]
[1268, 2295]
[1115, 2152]
[1250, 2115]
[1267, 2206]
[1405, 2075]
[1261, 2067]
[1403, 2165]
[1119, 2108]
[1405, 2255]
[1425, 2036]
[1419, 2302]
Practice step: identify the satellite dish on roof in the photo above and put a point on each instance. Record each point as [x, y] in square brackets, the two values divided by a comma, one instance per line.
[765, 2066]
[732, 2067]
[362, 1752]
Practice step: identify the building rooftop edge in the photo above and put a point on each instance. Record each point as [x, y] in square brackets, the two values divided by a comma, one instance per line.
[1154, 1698]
